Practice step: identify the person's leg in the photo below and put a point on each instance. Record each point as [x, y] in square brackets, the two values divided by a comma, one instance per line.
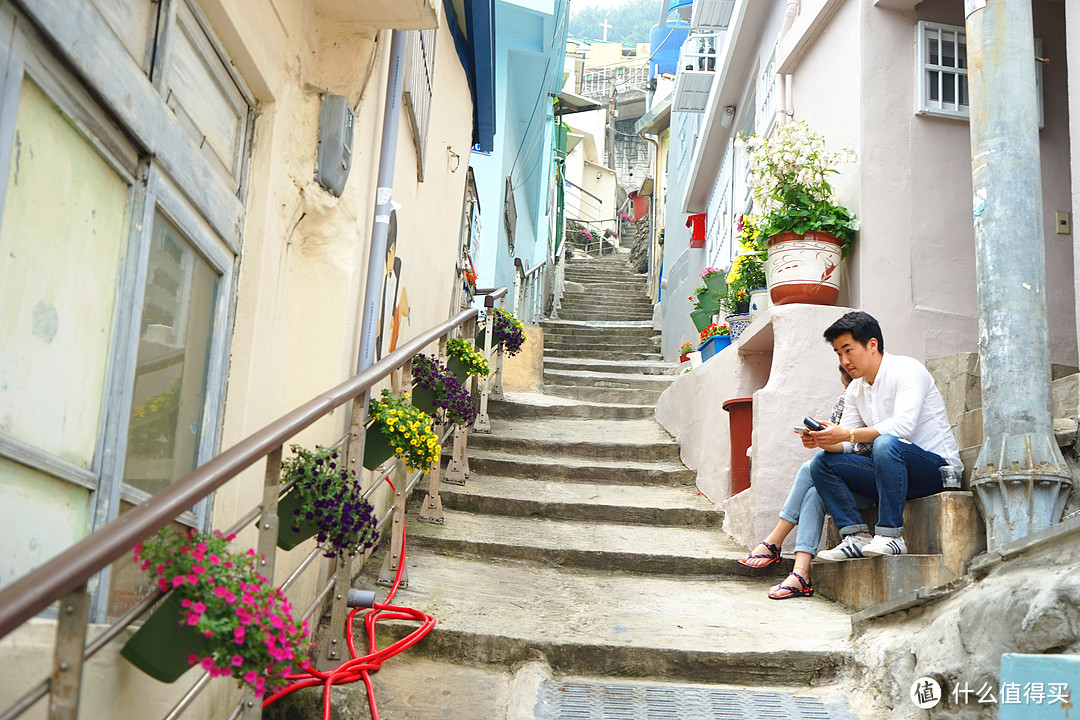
[902, 471]
[811, 520]
[836, 476]
[763, 554]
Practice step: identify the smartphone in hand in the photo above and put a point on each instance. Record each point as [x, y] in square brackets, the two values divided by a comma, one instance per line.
[801, 430]
[812, 424]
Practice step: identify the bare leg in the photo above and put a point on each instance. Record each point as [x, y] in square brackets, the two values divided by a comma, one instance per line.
[783, 527]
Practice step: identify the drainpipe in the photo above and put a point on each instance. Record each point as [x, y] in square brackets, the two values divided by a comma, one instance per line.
[790, 13]
[369, 324]
[333, 654]
[652, 206]
[1020, 480]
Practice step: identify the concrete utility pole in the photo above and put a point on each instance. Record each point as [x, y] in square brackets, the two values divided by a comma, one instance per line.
[1020, 481]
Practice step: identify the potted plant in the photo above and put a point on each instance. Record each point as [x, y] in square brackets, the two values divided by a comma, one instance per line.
[404, 429]
[220, 613]
[509, 332]
[714, 338]
[807, 233]
[325, 500]
[714, 279]
[463, 359]
[438, 392]
[684, 350]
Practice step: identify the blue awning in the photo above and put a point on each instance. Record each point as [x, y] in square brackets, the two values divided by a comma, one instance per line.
[476, 50]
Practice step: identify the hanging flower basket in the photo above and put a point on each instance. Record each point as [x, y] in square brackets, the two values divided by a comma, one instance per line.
[701, 318]
[162, 646]
[377, 448]
[288, 518]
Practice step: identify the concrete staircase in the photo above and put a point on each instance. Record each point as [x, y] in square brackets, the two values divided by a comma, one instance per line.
[579, 537]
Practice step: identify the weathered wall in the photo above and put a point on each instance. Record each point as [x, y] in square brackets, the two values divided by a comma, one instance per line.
[301, 278]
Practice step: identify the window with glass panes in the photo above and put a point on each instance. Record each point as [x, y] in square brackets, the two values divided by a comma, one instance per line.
[120, 218]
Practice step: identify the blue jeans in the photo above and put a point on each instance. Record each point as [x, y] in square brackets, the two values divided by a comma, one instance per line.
[804, 508]
[898, 471]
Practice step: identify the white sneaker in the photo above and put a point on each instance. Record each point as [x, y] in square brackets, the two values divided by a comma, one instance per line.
[885, 545]
[850, 547]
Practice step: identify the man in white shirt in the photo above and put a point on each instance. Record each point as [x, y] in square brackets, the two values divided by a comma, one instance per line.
[892, 402]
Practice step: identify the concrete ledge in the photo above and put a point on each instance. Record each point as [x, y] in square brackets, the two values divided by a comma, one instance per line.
[905, 601]
[1069, 530]
[948, 524]
[860, 584]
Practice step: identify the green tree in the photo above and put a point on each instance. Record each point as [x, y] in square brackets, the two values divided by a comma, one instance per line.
[630, 21]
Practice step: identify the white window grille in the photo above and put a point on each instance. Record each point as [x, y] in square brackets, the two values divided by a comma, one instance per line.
[942, 72]
[416, 94]
[766, 90]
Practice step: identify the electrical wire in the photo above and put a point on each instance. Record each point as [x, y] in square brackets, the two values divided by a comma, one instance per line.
[360, 668]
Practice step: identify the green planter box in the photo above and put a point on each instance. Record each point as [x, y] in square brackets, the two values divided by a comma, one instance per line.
[377, 448]
[458, 368]
[287, 538]
[716, 282]
[424, 399]
[160, 648]
[701, 318]
[707, 301]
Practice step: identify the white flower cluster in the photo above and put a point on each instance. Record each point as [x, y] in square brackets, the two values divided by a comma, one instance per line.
[791, 163]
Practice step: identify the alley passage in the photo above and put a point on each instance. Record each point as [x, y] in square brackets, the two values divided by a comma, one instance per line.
[580, 538]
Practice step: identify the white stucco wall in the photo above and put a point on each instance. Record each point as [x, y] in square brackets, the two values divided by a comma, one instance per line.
[301, 280]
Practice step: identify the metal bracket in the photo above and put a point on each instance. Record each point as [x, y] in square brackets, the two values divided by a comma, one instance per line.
[395, 556]
[68, 655]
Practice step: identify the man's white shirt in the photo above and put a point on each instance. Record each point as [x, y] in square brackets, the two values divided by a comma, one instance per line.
[905, 402]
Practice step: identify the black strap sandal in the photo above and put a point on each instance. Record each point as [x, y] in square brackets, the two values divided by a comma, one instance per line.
[773, 556]
[804, 590]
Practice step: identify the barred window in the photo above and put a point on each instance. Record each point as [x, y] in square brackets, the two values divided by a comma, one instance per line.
[419, 67]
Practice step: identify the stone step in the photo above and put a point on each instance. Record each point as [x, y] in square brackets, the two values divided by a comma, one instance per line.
[614, 315]
[947, 524]
[592, 439]
[592, 502]
[609, 294]
[617, 275]
[541, 467]
[617, 624]
[641, 549]
[599, 379]
[565, 331]
[859, 584]
[597, 312]
[628, 396]
[577, 352]
[640, 367]
[529, 405]
[602, 349]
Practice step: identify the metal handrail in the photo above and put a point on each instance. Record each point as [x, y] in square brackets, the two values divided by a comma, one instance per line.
[68, 570]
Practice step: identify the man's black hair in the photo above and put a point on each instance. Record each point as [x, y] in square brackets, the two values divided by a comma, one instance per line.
[862, 327]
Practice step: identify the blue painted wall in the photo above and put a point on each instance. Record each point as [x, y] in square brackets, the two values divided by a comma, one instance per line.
[529, 55]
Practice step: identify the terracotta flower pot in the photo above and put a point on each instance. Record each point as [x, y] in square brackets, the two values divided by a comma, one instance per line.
[803, 268]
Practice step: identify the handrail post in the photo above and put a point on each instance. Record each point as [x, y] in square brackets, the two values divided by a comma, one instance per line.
[496, 377]
[519, 286]
[269, 520]
[432, 510]
[397, 531]
[456, 469]
[68, 655]
[333, 654]
[482, 423]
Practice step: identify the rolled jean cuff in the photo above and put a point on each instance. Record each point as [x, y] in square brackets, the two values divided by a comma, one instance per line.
[888, 531]
[802, 548]
[852, 529]
[785, 516]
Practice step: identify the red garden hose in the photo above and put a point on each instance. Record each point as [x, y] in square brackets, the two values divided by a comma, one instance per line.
[360, 668]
